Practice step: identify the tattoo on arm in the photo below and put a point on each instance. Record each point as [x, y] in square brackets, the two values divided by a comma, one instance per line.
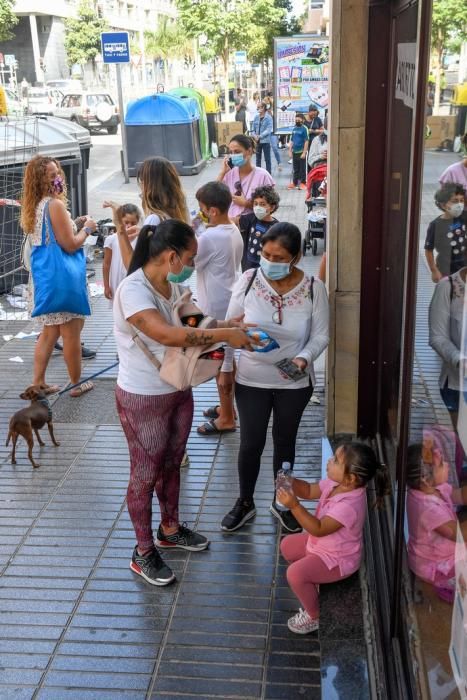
[198, 338]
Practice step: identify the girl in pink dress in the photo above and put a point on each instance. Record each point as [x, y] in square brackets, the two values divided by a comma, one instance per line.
[432, 518]
[330, 548]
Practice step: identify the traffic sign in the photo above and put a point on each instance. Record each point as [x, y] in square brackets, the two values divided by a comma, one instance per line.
[240, 57]
[10, 59]
[115, 47]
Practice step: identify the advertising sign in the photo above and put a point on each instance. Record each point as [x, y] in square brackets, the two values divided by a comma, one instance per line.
[301, 76]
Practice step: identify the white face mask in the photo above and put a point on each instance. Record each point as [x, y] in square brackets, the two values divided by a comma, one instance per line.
[260, 212]
[455, 210]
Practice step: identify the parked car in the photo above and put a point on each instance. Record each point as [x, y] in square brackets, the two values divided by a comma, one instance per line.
[66, 85]
[15, 107]
[94, 110]
[43, 100]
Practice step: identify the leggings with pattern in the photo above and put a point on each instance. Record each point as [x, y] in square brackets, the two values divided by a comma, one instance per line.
[156, 429]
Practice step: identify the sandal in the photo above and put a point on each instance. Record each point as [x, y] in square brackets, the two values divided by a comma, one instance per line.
[51, 389]
[81, 389]
[212, 412]
[210, 428]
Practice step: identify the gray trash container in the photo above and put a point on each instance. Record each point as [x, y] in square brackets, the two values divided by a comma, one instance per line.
[20, 140]
[164, 125]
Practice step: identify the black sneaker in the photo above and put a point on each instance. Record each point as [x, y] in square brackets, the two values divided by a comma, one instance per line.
[86, 353]
[239, 515]
[286, 518]
[184, 538]
[152, 568]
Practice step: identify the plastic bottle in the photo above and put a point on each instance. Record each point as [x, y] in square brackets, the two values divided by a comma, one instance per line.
[284, 480]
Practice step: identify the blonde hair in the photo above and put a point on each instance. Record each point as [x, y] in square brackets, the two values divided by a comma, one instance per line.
[162, 192]
[36, 187]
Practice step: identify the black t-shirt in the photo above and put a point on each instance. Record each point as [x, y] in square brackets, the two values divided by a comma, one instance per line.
[448, 238]
[252, 230]
[315, 123]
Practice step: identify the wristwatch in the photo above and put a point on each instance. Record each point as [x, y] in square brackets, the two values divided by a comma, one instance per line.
[87, 230]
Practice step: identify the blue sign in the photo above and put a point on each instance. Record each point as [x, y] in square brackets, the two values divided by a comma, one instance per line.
[115, 47]
[240, 57]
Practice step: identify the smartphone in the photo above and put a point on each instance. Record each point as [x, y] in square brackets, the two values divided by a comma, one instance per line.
[290, 369]
[229, 163]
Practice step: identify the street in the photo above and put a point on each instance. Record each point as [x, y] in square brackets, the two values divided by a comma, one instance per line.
[104, 158]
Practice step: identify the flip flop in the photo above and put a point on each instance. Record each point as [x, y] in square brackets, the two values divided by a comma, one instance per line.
[211, 412]
[210, 428]
[81, 389]
[51, 389]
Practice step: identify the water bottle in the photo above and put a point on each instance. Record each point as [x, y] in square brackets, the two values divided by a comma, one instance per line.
[284, 480]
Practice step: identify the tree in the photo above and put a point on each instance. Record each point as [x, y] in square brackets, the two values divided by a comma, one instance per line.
[448, 32]
[168, 41]
[83, 35]
[8, 19]
[230, 25]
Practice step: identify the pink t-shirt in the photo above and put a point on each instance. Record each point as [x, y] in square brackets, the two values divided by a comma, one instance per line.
[455, 173]
[257, 178]
[429, 552]
[344, 547]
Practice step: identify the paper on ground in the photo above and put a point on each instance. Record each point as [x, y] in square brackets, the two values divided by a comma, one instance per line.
[16, 359]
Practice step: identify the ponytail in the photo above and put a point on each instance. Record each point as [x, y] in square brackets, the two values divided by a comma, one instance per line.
[154, 240]
[382, 483]
[361, 462]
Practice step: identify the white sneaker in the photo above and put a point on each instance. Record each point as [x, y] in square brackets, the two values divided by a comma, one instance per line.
[302, 623]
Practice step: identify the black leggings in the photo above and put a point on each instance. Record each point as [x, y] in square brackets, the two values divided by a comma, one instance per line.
[254, 410]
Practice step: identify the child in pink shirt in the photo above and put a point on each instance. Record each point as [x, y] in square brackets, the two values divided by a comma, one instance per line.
[432, 518]
[331, 547]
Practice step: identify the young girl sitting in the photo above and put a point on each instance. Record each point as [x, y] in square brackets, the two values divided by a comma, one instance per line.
[113, 268]
[331, 547]
[432, 517]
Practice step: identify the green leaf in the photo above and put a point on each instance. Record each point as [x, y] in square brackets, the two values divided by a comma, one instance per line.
[8, 19]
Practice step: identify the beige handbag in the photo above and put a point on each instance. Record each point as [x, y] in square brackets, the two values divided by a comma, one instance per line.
[183, 368]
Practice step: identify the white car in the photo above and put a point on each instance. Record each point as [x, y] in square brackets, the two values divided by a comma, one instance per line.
[42, 100]
[93, 110]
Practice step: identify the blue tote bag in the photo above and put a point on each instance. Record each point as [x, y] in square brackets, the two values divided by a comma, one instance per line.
[59, 277]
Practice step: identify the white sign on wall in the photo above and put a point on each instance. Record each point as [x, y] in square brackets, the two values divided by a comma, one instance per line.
[405, 73]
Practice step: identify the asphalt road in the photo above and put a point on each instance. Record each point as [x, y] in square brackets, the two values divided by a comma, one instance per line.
[104, 158]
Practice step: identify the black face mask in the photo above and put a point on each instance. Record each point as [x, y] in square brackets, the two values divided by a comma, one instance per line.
[298, 123]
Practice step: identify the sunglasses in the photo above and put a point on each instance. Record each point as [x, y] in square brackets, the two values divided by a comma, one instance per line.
[278, 303]
[238, 188]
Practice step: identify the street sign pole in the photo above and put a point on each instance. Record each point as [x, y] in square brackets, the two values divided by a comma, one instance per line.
[116, 49]
[122, 122]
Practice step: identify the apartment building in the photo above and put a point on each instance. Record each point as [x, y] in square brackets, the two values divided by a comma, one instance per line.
[38, 44]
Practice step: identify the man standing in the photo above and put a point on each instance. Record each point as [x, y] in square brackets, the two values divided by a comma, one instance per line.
[262, 130]
[313, 123]
[298, 149]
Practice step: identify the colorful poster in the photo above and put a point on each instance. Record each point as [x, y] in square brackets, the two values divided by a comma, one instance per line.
[301, 73]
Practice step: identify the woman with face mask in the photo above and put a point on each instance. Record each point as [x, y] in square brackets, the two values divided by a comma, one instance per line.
[156, 418]
[241, 176]
[44, 199]
[292, 308]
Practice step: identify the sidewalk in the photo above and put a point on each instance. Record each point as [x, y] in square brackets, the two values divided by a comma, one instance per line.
[75, 622]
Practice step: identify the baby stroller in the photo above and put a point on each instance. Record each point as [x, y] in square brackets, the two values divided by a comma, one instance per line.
[316, 206]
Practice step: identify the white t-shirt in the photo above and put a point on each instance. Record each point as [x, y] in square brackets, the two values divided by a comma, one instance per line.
[152, 220]
[218, 266]
[304, 331]
[136, 374]
[117, 268]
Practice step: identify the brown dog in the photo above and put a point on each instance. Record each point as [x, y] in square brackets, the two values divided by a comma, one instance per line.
[34, 417]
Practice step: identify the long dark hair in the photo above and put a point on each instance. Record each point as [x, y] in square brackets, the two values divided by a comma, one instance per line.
[154, 240]
[360, 460]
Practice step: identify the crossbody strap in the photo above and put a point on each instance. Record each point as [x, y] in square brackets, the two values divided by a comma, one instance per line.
[139, 342]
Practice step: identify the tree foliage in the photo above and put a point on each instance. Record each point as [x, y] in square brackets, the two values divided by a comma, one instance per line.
[83, 34]
[448, 32]
[168, 41]
[8, 19]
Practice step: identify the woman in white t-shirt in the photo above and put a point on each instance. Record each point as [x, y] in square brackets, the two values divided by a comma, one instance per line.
[113, 269]
[285, 302]
[156, 418]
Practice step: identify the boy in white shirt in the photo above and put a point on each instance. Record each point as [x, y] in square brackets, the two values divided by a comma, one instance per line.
[218, 266]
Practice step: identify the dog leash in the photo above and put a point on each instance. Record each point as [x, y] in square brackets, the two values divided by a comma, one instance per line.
[87, 379]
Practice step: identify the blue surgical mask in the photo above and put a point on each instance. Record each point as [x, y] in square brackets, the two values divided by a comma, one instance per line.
[181, 276]
[237, 160]
[274, 270]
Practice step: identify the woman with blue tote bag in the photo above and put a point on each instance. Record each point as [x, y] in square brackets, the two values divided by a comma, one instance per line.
[59, 295]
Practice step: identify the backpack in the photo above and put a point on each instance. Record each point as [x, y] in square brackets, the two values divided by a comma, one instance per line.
[183, 368]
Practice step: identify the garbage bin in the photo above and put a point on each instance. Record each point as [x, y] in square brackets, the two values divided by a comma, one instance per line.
[164, 125]
[211, 104]
[20, 140]
[83, 137]
[184, 93]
